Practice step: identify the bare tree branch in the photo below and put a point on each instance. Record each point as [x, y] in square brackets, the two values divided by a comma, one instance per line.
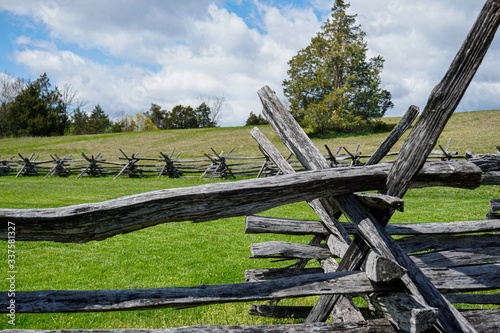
[10, 87]
[215, 103]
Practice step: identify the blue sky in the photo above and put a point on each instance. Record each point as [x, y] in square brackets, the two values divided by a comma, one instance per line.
[128, 54]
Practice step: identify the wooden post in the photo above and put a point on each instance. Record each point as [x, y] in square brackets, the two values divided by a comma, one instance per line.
[169, 167]
[406, 312]
[60, 168]
[130, 168]
[5, 167]
[218, 166]
[444, 99]
[93, 169]
[396, 133]
[29, 168]
[494, 213]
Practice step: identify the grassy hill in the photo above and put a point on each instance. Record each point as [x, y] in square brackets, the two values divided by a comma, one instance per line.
[474, 130]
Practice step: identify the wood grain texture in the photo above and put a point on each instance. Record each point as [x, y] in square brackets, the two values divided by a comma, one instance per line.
[380, 201]
[275, 249]
[381, 269]
[448, 242]
[322, 206]
[337, 237]
[455, 279]
[494, 213]
[465, 278]
[405, 312]
[97, 221]
[263, 274]
[255, 224]
[378, 325]
[274, 311]
[485, 321]
[415, 280]
[309, 156]
[442, 102]
[457, 257]
[263, 224]
[184, 297]
[303, 311]
[478, 277]
[475, 299]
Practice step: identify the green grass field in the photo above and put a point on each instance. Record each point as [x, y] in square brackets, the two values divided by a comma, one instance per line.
[187, 254]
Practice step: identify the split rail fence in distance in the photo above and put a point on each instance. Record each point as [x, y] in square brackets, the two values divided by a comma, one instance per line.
[213, 165]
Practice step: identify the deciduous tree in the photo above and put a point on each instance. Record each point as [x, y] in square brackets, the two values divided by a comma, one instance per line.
[180, 117]
[215, 105]
[253, 120]
[157, 115]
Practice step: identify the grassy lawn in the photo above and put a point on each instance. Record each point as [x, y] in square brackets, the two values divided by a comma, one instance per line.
[188, 254]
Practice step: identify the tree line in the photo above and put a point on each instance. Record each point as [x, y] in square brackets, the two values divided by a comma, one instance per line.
[34, 108]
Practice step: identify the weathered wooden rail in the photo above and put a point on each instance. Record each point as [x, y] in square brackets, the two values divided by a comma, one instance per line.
[96, 221]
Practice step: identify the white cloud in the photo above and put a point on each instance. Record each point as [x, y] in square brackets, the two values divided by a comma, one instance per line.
[95, 23]
[172, 53]
[419, 41]
[211, 53]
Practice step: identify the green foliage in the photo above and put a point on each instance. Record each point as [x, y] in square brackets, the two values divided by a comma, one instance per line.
[36, 111]
[180, 117]
[467, 129]
[33, 109]
[144, 122]
[116, 127]
[98, 121]
[203, 113]
[156, 114]
[149, 125]
[341, 127]
[80, 121]
[253, 119]
[332, 79]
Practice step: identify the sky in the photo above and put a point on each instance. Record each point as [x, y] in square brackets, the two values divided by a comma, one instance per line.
[125, 55]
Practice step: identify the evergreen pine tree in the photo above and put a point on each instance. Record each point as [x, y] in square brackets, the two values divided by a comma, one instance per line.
[331, 79]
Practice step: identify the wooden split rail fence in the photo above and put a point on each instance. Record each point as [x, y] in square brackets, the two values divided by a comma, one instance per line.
[409, 282]
[215, 165]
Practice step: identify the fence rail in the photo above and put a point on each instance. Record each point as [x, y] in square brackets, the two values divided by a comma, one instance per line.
[213, 165]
